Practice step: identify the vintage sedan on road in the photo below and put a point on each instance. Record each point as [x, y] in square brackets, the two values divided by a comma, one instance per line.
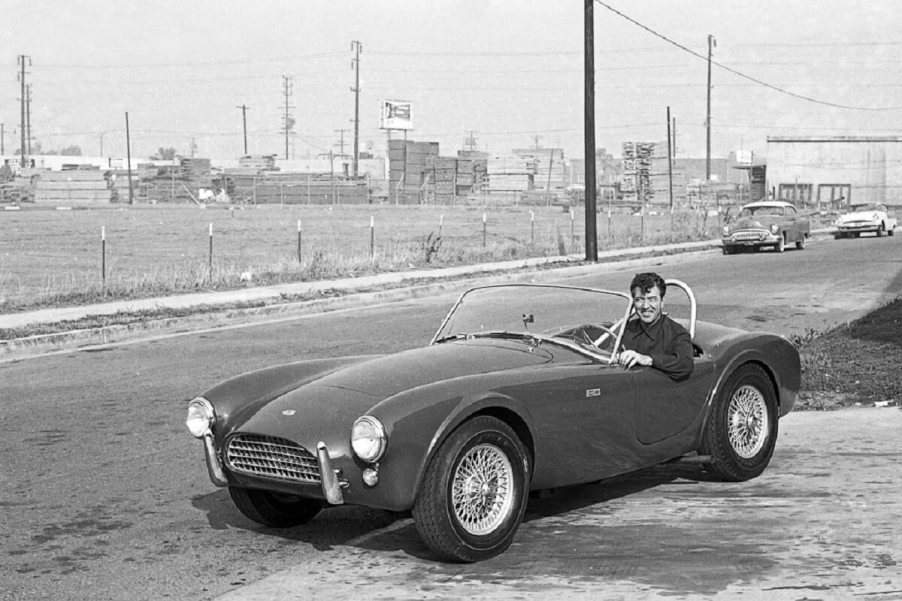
[772, 223]
[870, 217]
[518, 391]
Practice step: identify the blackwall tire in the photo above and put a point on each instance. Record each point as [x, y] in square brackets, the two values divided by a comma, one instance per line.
[742, 429]
[474, 492]
[272, 509]
[800, 243]
[781, 244]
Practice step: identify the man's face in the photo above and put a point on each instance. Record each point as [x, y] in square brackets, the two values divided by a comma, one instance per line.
[648, 304]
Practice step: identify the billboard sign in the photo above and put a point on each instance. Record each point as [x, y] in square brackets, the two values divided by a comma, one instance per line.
[397, 114]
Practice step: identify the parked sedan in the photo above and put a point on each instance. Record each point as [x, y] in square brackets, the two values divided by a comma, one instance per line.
[871, 217]
[772, 223]
[519, 390]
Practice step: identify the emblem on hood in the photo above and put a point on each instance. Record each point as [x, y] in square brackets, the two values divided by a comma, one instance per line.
[289, 412]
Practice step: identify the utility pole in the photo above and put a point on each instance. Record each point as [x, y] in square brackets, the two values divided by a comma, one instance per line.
[341, 142]
[101, 143]
[470, 141]
[244, 124]
[128, 159]
[536, 139]
[355, 63]
[669, 161]
[711, 43]
[288, 120]
[28, 137]
[589, 127]
[22, 59]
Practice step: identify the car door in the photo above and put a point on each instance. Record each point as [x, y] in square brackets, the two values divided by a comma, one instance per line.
[584, 417]
[665, 408]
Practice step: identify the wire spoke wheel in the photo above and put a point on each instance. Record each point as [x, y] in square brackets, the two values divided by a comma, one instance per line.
[481, 489]
[748, 421]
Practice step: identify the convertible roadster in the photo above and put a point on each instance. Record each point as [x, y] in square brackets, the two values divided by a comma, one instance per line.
[519, 390]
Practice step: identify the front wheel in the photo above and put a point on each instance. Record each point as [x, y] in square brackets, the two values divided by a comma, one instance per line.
[474, 492]
[800, 243]
[781, 244]
[278, 510]
[742, 428]
[881, 231]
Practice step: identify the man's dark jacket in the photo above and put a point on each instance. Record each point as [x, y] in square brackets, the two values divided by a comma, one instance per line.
[665, 341]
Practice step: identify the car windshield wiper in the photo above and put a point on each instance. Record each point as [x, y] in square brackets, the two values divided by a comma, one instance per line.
[449, 337]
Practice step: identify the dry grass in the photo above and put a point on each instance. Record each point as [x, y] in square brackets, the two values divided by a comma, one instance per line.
[54, 258]
[855, 363]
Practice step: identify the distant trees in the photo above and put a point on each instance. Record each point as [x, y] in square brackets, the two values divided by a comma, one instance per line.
[164, 154]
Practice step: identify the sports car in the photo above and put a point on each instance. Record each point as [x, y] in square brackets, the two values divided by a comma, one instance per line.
[863, 218]
[771, 223]
[519, 390]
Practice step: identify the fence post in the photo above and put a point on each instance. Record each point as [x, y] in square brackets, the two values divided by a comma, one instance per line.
[299, 241]
[572, 236]
[103, 258]
[441, 221]
[372, 238]
[483, 230]
[210, 257]
[532, 227]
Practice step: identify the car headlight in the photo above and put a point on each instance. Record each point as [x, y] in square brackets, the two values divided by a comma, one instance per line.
[726, 230]
[774, 228]
[200, 417]
[368, 438]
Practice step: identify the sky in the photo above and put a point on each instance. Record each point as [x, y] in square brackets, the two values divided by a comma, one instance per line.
[508, 73]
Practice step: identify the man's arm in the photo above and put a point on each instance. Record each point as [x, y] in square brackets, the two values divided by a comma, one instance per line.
[676, 360]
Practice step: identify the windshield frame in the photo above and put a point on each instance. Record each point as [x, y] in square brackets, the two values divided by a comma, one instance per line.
[598, 354]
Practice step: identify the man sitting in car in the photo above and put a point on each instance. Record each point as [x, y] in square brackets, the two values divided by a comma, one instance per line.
[652, 338]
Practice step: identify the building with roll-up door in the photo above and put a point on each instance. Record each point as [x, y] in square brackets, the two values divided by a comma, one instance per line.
[835, 171]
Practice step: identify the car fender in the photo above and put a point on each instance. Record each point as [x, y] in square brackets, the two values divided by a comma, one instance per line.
[769, 354]
[416, 425]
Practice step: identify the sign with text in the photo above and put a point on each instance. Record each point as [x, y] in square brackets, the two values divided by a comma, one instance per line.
[397, 114]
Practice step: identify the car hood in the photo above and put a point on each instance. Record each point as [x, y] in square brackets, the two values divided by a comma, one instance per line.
[338, 397]
[859, 216]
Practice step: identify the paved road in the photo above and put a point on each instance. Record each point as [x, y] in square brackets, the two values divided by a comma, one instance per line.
[104, 494]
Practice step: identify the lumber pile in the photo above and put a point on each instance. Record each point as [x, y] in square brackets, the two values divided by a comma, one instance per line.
[75, 187]
[407, 171]
[250, 186]
[509, 173]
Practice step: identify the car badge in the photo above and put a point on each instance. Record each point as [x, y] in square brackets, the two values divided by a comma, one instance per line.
[289, 412]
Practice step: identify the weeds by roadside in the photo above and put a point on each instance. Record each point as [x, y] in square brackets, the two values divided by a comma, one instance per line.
[856, 363]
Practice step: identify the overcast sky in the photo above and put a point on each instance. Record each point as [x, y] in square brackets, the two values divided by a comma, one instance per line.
[509, 71]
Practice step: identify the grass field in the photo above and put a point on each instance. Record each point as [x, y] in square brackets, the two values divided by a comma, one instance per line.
[56, 257]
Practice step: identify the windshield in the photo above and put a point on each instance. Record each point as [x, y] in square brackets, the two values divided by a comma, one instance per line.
[590, 318]
[865, 207]
[765, 210]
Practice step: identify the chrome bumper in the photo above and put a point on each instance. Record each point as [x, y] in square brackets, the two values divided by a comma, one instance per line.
[329, 481]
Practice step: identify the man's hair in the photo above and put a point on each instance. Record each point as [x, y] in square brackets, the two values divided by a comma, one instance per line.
[645, 282]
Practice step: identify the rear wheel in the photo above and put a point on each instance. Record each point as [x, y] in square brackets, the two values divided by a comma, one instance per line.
[474, 492]
[275, 509]
[742, 428]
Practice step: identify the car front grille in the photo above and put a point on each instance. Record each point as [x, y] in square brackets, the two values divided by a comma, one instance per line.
[749, 235]
[271, 457]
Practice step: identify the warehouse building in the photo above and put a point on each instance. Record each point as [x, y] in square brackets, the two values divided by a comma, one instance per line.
[833, 171]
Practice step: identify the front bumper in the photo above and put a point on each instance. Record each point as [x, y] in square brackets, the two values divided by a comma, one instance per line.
[330, 482]
[857, 227]
[751, 238]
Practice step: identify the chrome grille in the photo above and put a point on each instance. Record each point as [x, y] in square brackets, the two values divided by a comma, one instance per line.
[271, 457]
[752, 235]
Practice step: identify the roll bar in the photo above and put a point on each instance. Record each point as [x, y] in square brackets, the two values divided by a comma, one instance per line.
[693, 309]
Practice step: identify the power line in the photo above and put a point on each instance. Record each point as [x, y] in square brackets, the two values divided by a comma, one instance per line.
[741, 74]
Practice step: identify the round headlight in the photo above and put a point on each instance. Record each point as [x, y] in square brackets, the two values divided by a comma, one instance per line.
[726, 230]
[774, 228]
[200, 417]
[368, 438]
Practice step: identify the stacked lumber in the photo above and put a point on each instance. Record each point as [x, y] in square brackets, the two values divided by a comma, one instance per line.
[441, 174]
[471, 171]
[17, 191]
[510, 173]
[249, 186]
[76, 187]
[551, 172]
[407, 169]
[264, 162]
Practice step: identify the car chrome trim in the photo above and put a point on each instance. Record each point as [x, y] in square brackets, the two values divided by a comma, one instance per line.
[214, 467]
[693, 305]
[331, 486]
[271, 457]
